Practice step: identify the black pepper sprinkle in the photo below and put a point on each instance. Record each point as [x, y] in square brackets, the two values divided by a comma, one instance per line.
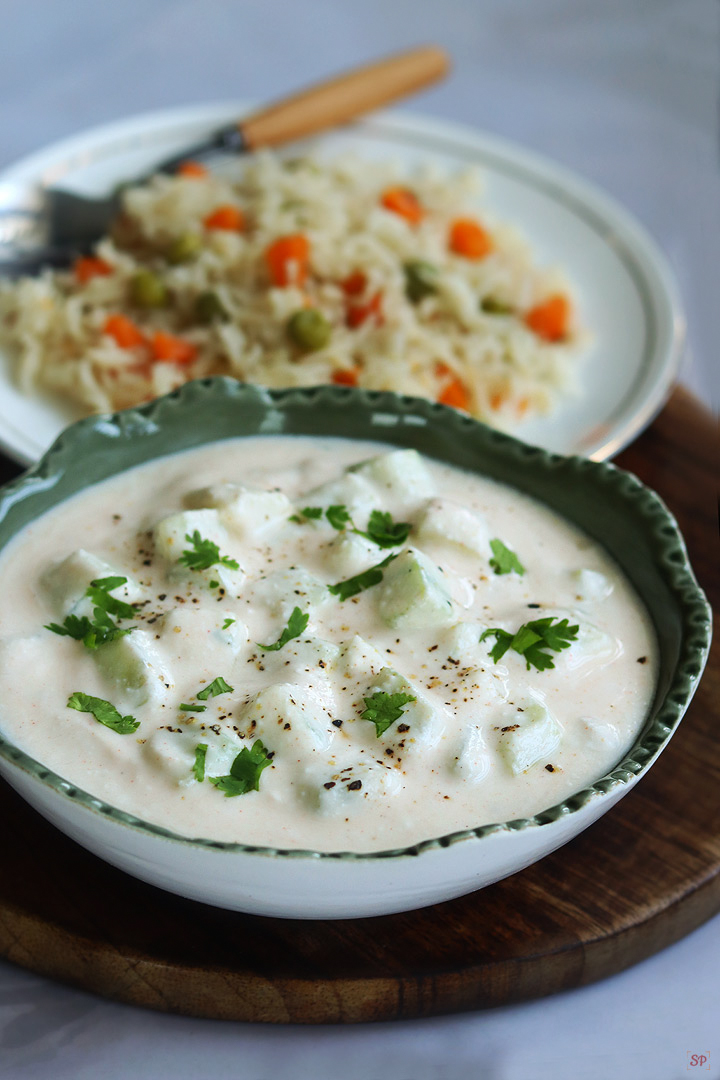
[330, 784]
[550, 768]
[534, 605]
[403, 727]
[355, 786]
[162, 595]
[510, 727]
[337, 723]
[642, 659]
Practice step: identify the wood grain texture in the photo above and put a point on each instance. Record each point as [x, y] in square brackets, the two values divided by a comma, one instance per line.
[642, 877]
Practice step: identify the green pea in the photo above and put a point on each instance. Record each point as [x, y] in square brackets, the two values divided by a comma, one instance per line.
[209, 307]
[420, 280]
[492, 306]
[147, 290]
[309, 329]
[183, 248]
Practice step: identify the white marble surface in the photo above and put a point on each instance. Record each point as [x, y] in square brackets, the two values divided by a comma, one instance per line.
[624, 93]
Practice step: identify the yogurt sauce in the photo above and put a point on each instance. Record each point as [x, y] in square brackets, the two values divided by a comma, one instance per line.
[451, 738]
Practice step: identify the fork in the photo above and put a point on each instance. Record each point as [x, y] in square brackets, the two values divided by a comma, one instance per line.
[47, 226]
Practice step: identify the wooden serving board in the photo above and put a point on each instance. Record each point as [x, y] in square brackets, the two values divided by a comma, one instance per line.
[646, 874]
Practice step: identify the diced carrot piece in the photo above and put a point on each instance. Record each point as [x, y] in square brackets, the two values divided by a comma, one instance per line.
[468, 238]
[124, 331]
[229, 218]
[357, 314]
[404, 202]
[354, 284]
[174, 350]
[455, 394]
[345, 378]
[287, 259]
[442, 369]
[192, 170]
[90, 266]
[550, 319]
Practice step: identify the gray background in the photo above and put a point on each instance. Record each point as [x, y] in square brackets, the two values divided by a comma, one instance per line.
[624, 92]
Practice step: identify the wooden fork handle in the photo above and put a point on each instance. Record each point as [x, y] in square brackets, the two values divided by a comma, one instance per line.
[338, 100]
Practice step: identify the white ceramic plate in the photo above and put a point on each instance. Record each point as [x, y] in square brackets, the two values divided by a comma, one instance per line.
[628, 297]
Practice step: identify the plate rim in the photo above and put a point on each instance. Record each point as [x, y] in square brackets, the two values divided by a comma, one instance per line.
[644, 260]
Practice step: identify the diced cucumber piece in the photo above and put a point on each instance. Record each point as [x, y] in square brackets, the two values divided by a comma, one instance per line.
[591, 586]
[194, 633]
[67, 581]
[171, 542]
[172, 753]
[245, 511]
[351, 490]
[359, 659]
[534, 737]
[592, 645]
[135, 666]
[471, 760]
[285, 714]
[422, 723]
[284, 590]
[310, 654]
[461, 640]
[344, 788]
[412, 593]
[401, 478]
[445, 522]
[349, 554]
[170, 533]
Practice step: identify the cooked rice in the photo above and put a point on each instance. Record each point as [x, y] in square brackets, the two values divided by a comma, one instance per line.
[53, 325]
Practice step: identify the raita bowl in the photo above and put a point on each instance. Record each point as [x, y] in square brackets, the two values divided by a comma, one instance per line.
[613, 507]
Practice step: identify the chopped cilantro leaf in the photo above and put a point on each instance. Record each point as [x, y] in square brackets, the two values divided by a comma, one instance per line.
[531, 639]
[383, 531]
[109, 583]
[199, 763]
[353, 585]
[217, 686]
[99, 593]
[104, 712]
[228, 622]
[74, 627]
[381, 528]
[204, 554]
[245, 771]
[92, 632]
[295, 626]
[384, 709]
[505, 561]
[191, 708]
[338, 517]
[503, 641]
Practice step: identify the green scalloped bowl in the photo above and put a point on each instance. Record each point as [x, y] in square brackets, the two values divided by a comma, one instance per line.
[611, 506]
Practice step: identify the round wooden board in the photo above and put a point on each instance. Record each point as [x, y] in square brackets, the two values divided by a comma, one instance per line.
[642, 877]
